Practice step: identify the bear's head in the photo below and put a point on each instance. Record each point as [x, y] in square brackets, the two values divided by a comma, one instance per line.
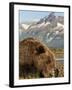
[33, 52]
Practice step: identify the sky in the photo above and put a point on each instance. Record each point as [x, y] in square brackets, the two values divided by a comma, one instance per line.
[30, 16]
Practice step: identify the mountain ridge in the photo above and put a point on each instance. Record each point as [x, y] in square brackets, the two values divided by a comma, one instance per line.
[49, 30]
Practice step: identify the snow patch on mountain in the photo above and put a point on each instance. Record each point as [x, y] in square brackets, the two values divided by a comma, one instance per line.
[25, 26]
[59, 24]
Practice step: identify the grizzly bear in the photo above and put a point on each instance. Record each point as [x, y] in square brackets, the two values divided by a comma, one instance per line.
[35, 56]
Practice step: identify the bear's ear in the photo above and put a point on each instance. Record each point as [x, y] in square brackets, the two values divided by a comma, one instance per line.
[40, 50]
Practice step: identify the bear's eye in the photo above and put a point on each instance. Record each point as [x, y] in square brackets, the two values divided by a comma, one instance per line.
[40, 50]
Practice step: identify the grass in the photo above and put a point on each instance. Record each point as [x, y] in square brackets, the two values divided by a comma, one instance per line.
[30, 76]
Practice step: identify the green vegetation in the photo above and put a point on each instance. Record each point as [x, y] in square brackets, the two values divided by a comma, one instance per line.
[31, 75]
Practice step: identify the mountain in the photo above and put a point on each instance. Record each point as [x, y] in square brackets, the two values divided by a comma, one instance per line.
[49, 30]
[24, 26]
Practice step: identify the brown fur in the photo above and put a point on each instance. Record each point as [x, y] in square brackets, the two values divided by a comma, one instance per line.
[33, 53]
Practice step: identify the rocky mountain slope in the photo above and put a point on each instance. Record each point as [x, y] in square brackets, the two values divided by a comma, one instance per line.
[49, 30]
